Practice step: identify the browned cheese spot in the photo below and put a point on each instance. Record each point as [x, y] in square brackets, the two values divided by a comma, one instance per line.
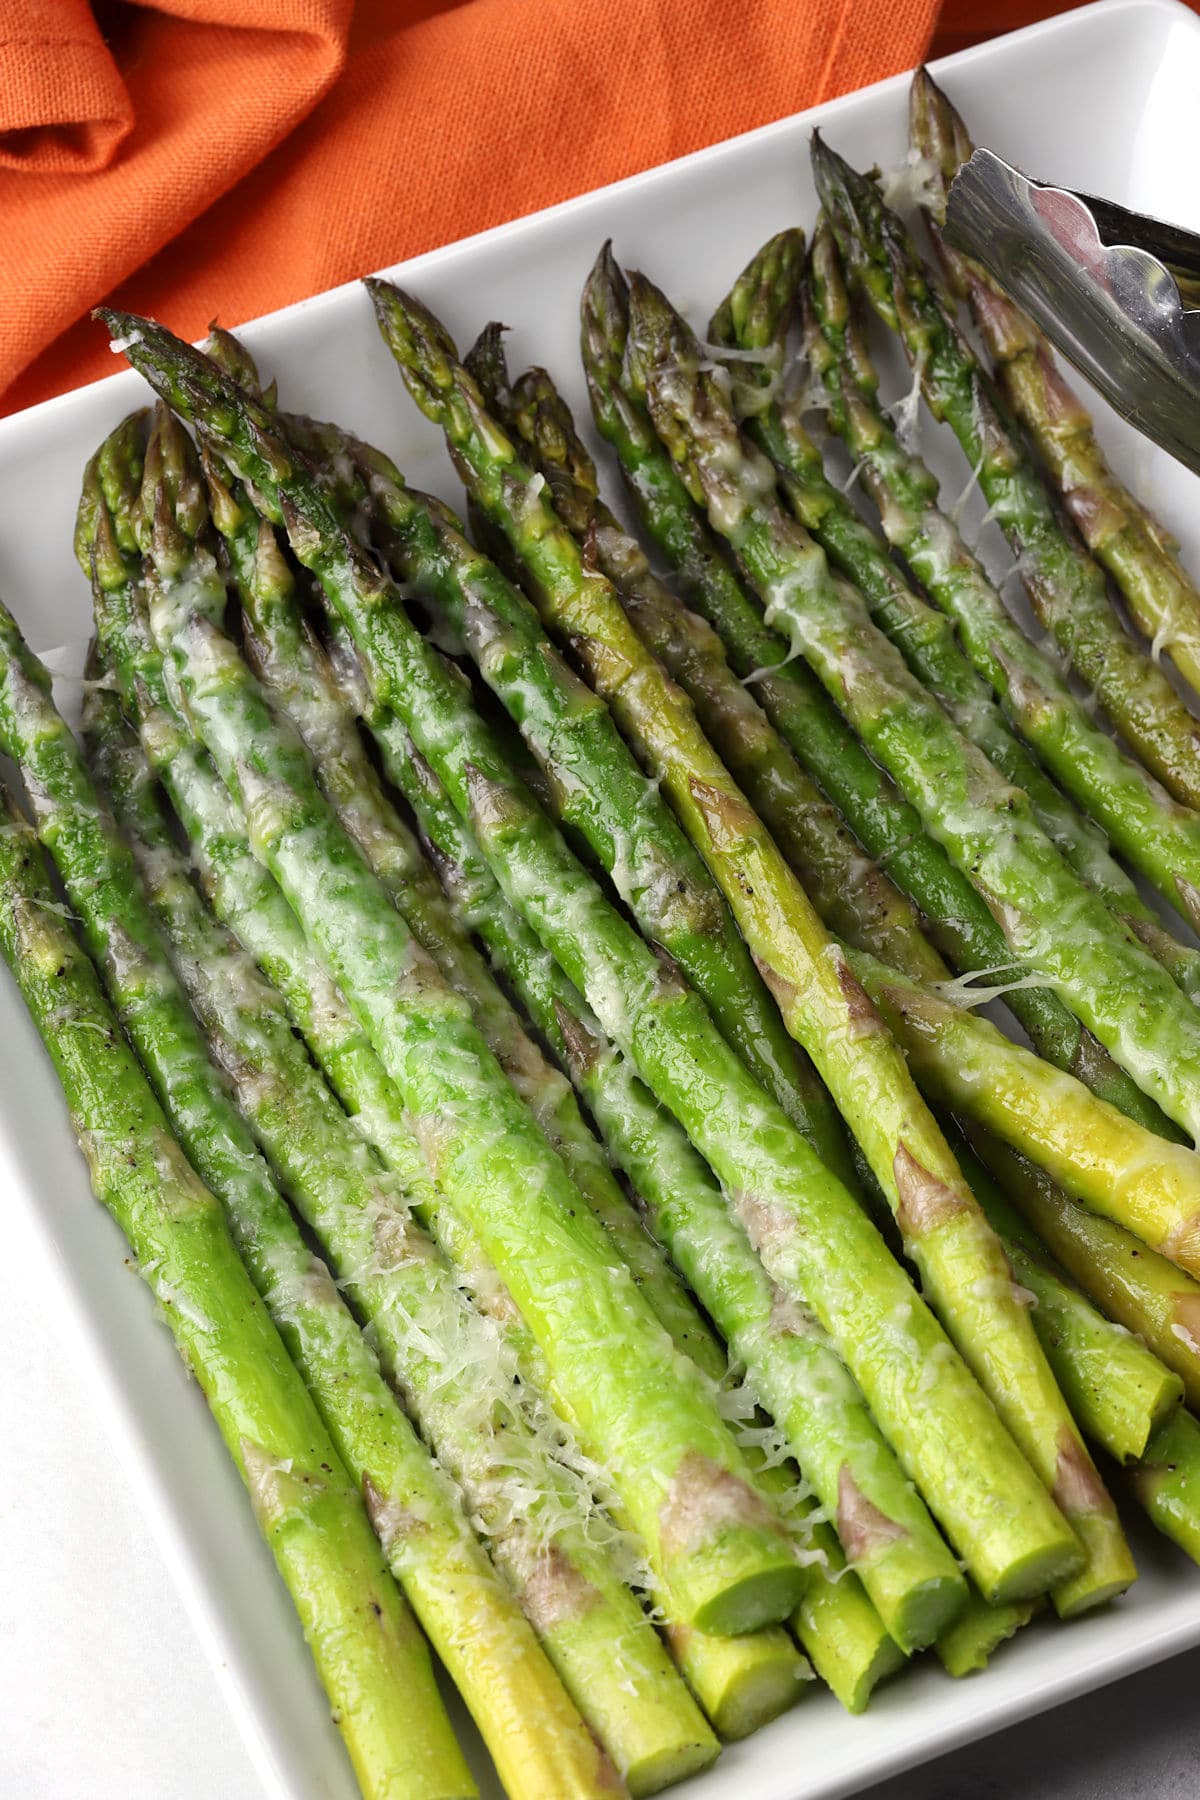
[702, 1501]
[864, 1020]
[1189, 898]
[1185, 1314]
[582, 1047]
[786, 993]
[553, 1591]
[434, 1135]
[862, 1528]
[727, 818]
[768, 1225]
[923, 1200]
[1077, 1486]
[1097, 518]
[395, 1241]
[1062, 406]
[1182, 1246]
[1025, 693]
[392, 1522]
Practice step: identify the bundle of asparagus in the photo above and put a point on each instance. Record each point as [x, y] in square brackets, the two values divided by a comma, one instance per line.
[521, 1011]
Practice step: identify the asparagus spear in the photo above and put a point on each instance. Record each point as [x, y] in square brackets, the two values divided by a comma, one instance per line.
[645, 1411]
[295, 673]
[1167, 1481]
[889, 829]
[1053, 923]
[1118, 1390]
[651, 1151]
[755, 317]
[1134, 1285]
[837, 1256]
[1067, 588]
[799, 1378]
[851, 894]
[822, 1010]
[835, 1621]
[739, 1681]
[1098, 1154]
[1117, 529]
[969, 1643]
[676, 901]
[1158, 835]
[448, 1363]
[370, 1656]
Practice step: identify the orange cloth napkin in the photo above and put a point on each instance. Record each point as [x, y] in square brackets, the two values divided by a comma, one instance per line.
[195, 157]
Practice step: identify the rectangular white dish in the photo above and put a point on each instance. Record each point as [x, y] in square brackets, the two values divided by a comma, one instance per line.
[1101, 99]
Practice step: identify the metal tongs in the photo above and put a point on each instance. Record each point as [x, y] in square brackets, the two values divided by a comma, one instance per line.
[1117, 292]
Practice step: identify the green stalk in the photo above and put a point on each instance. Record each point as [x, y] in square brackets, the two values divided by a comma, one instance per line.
[1096, 1153]
[1167, 1481]
[1134, 1285]
[836, 1622]
[1119, 531]
[1160, 837]
[887, 826]
[642, 1409]
[295, 673]
[821, 1008]
[852, 895]
[1117, 1389]
[836, 1256]
[729, 1676]
[450, 1366]
[756, 317]
[371, 1659]
[1066, 586]
[1053, 923]
[969, 1643]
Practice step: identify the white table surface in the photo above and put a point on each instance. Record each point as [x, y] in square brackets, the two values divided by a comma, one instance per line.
[105, 1695]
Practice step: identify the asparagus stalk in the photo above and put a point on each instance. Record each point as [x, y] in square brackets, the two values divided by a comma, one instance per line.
[889, 829]
[448, 1363]
[1167, 1481]
[1115, 1166]
[1118, 530]
[1117, 1389]
[755, 317]
[295, 673]
[739, 1681]
[1053, 923]
[644, 1410]
[789, 1369]
[371, 1659]
[1134, 1285]
[660, 875]
[836, 1622]
[967, 1645]
[851, 894]
[1160, 837]
[1066, 587]
[968, 1467]
[858, 1061]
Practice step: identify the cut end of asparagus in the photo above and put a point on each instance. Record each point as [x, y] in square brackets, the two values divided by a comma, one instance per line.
[724, 1603]
[970, 1642]
[769, 1677]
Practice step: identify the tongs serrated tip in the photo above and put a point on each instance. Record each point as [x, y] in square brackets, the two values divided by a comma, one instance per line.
[1117, 292]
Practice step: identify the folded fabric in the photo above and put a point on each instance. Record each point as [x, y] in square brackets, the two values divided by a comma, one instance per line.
[191, 156]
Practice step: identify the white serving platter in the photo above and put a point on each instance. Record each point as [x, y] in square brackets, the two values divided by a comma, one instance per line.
[1104, 99]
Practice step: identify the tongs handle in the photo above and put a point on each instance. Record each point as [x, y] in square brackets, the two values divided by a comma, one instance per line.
[1100, 282]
